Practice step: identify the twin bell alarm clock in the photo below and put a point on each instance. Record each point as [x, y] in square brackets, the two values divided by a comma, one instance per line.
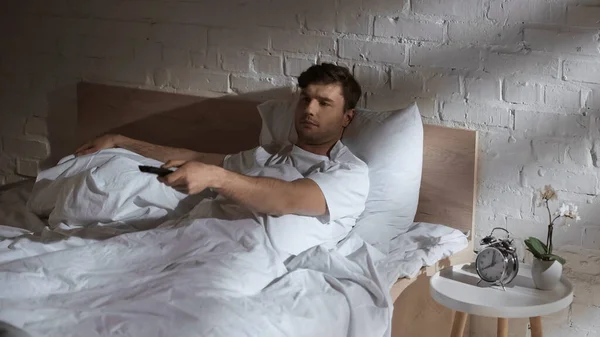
[497, 262]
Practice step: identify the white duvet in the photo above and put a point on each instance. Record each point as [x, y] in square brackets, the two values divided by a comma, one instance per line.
[190, 276]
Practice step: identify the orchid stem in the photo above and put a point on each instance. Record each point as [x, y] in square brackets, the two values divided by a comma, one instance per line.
[550, 229]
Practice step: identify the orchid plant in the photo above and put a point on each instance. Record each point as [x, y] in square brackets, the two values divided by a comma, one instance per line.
[543, 251]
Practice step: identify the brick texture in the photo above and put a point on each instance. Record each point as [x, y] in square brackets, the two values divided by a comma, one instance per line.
[371, 77]
[532, 64]
[521, 92]
[538, 11]
[36, 126]
[469, 113]
[353, 21]
[445, 57]
[25, 148]
[302, 43]
[235, 60]
[192, 79]
[582, 71]
[556, 41]
[584, 16]
[482, 88]
[28, 168]
[180, 36]
[372, 51]
[470, 9]
[410, 29]
[486, 33]
[443, 86]
[550, 124]
[294, 66]
[268, 64]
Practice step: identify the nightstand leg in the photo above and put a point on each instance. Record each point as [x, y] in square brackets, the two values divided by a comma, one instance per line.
[536, 326]
[502, 327]
[458, 327]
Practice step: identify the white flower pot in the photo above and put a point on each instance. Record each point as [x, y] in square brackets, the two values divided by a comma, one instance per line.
[546, 274]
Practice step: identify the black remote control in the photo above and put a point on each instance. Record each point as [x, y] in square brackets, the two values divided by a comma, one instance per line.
[161, 172]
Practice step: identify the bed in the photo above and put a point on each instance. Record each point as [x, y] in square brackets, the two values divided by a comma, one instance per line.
[447, 188]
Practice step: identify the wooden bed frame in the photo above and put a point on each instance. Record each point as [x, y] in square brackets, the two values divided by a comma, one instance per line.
[230, 125]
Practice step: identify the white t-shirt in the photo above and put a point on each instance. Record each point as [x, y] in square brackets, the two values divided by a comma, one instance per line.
[342, 177]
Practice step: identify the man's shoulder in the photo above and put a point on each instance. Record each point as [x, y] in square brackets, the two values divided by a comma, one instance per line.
[344, 155]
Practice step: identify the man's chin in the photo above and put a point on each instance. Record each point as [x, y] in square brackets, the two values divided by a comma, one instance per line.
[307, 138]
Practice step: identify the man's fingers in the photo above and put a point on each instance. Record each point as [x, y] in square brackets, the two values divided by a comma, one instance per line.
[83, 147]
[173, 163]
[173, 179]
[86, 151]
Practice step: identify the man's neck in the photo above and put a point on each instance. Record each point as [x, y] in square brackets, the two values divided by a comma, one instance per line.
[320, 149]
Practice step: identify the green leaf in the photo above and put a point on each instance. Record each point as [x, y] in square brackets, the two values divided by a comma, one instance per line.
[552, 257]
[543, 245]
[535, 253]
[536, 247]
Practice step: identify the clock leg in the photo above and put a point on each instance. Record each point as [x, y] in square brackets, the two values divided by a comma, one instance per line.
[502, 327]
[458, 327]
[536, 326]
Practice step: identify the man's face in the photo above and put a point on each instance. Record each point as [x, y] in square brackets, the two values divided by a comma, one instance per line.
[320, 115]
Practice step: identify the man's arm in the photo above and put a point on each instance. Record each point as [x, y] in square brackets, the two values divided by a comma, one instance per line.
[166, 153]
[272, 196]
[158, 152]
[260, 194]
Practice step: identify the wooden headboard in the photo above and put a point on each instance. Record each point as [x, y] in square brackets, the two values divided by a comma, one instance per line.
[230, 125]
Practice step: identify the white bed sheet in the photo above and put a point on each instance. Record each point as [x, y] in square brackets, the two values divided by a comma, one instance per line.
[199, 277]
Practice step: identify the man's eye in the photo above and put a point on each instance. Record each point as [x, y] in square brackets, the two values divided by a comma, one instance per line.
[323, 103]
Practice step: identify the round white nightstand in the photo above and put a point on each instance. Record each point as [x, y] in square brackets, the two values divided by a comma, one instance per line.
[457, 288]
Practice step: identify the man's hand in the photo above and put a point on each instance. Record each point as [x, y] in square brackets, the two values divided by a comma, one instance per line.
[191, 177]
[100, 143]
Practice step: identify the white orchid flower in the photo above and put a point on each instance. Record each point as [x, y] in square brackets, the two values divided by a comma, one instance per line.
[548, 193]
[568, 210]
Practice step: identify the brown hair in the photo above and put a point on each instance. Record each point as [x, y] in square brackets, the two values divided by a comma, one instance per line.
[328, 73]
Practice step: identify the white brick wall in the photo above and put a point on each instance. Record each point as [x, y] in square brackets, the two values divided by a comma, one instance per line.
[445, 86]
[299, 43]
[409, 28]
[525, 73]
[189, 37]
[521, 92]
[584, 16]
[467, 9]
[582, 71]
[486, 33]
[235, 60]
[371, 77]
[557, 41]
[538, 11]
[372, 51]
[449, 57]
[531, 65]
[294, 66]
[482, 88]
[268, 64]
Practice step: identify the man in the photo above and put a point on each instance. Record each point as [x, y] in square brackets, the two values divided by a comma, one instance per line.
[327, 181]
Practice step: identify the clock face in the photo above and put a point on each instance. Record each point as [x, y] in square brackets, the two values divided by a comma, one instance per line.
[490, 264]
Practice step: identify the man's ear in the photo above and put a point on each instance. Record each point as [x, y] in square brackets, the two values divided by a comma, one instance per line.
[348, 116]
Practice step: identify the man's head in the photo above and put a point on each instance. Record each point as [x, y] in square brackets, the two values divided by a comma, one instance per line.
[329, 95]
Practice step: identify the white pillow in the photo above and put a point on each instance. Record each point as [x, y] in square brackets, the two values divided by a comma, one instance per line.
[391, 143]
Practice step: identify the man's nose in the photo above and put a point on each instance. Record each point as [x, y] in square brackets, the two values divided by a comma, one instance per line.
[311, 107]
